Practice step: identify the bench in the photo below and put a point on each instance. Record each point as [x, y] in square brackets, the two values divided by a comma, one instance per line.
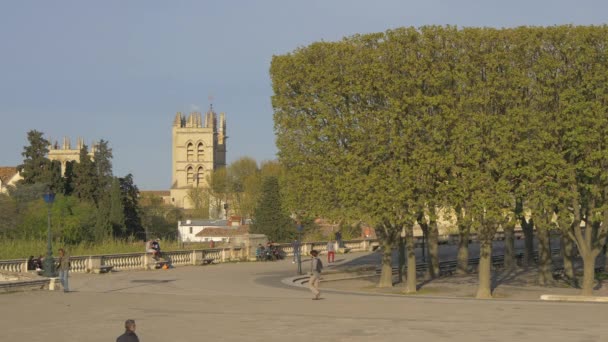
[103, 269]
[207, 261]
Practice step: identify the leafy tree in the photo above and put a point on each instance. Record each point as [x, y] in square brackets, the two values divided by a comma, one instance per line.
[85, 180]
[103, 164]
[130, 203]
[36, 167]
[270, 217]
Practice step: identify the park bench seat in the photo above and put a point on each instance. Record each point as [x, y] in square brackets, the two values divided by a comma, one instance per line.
[103, 269]
[207, 261]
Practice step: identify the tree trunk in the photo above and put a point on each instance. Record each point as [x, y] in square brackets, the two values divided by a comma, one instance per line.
[463, 250]
[528, 228]
[605, 251]
[401, 259]
[567, 251]
[484, 289]
[588, 273]
[411, 260]
[509, 241]
[433, 265]
[545, 264]
[386, 275]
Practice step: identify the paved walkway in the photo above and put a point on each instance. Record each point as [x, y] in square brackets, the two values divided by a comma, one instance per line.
[247, 302]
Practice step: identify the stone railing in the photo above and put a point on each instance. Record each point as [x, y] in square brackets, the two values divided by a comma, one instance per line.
[140, 261]
[321, 246]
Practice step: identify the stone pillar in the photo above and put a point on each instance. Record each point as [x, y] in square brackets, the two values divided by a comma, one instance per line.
[223, 255]
[197, 257]
[365, 245]
[147, 262]
[23, 267]
[93, 264]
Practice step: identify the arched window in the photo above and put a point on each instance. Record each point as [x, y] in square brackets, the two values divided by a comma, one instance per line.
[190, 173]
[200, 174]
[200, 152]
[190, 152]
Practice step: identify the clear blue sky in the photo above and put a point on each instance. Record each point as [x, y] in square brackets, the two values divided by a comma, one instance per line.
[119, 70]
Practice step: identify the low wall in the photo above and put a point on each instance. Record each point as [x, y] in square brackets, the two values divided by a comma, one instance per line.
[139, 261]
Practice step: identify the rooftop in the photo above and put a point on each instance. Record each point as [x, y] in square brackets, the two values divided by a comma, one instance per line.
[7, 172]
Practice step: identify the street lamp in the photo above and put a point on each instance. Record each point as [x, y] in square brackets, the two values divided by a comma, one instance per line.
[49, 263]
[296, 248]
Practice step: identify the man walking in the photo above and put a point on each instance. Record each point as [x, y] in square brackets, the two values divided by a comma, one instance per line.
[316, 267]
[129, 335]
[64, 269]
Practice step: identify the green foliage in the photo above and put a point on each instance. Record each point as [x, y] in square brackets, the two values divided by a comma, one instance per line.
[270, 217]
[86, 182]
[36, 167]
[130, 203]
[381, 126]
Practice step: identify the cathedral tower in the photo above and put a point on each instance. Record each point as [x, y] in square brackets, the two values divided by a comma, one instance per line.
[198, 148]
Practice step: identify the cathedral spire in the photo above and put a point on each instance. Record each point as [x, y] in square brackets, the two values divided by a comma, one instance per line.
[177, 122]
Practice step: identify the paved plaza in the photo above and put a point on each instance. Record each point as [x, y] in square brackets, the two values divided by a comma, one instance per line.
[248, 302]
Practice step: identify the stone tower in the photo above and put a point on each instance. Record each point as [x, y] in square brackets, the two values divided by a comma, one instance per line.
[199, 147]
[65, 153]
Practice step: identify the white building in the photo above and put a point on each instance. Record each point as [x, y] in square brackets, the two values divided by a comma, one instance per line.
[209, 230]
[9, 176]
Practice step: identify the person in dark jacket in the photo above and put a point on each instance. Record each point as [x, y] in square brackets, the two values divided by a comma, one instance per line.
[129, 335]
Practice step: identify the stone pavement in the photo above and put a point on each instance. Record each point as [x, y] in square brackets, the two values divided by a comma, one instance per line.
[247, 302]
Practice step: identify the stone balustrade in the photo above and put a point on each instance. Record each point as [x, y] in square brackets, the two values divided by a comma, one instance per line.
[140, 261]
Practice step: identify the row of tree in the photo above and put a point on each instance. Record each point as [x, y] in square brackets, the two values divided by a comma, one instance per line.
[389, 127]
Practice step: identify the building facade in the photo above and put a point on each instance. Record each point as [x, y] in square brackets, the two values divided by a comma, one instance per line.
[198, 148]
[65, 153]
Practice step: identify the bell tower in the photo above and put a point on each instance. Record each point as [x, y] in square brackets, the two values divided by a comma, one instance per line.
[198, 148]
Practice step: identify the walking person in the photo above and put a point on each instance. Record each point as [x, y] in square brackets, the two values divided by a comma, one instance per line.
[64, 269]
[129, 335]
[316, 267]
[339, 238]
[331, 251]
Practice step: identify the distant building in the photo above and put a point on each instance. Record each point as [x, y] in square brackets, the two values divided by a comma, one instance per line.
[198, 148]
[9, 176]
[210, 230]
[65, 153]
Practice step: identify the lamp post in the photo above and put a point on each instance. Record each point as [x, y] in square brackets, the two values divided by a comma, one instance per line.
[297, 247]
[49, 263]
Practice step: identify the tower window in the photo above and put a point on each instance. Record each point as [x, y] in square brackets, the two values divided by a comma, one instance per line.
[200, 152]
[190, 174]
[200, 174]
[190, 152]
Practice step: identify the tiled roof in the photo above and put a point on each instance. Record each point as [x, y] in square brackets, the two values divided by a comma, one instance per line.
[7, 172]
[159, 193]
[213, 223]
[224, 231]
